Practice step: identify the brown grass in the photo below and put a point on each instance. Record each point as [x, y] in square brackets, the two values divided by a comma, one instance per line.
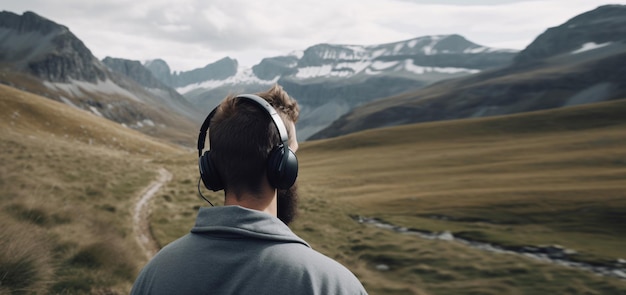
[67, 182]
[25, 263]
[542, 178]
[552, 177]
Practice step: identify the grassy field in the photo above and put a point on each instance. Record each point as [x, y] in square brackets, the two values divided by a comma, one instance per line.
[547, 178]
[67, 182]
[69, 179]
[555, 177]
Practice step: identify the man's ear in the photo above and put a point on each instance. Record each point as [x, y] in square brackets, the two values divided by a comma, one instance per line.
[293, 138]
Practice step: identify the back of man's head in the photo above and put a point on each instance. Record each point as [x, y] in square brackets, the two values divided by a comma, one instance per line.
[242, 135]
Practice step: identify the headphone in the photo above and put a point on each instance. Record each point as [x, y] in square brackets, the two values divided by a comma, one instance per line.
[282, 164]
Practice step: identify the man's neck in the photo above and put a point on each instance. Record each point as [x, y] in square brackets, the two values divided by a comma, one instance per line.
[265, 202]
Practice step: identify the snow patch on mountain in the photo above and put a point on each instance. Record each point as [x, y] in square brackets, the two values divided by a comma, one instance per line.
[243, 76]
[411, 67]
[95, 111]
[383, 65]
[297, 53]
[347, 52]
[590, 46]
[482, 49]
[430, 48]
[78, 88]
[346, 69]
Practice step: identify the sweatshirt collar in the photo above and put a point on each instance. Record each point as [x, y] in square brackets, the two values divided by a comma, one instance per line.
[244, 222]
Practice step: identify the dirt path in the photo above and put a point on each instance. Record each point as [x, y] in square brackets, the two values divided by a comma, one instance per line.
[141, 212]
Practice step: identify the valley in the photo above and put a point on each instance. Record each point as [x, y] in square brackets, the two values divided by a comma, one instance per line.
[550, 178]
[545, 178]
[427, 166]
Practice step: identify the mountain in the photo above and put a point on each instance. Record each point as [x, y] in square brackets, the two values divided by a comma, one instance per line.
[160, 70]
[601, 27]
[329, 80]
[45, 49]
[581, 61]
[219, 70]
[134, 70]
[163, 94]
[46, 58]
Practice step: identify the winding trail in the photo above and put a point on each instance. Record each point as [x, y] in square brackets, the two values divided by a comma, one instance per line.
[141, 212]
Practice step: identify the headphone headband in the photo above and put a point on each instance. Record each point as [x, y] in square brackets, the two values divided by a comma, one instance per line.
[278, 122]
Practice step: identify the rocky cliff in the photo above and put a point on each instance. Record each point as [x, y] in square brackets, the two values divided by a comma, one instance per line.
[46, 49]
[600, 27]
[45, 58]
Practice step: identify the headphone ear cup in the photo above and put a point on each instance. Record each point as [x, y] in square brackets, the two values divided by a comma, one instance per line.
[282, 173]
[208, 173]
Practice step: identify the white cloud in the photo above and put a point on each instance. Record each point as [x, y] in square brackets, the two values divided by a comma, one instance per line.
[192, 33]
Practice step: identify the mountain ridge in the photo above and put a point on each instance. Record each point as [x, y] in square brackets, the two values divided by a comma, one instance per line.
[597, 26]
[59, 58]
[46, 58]
[578, 72]
[329, 80]
[333, 80]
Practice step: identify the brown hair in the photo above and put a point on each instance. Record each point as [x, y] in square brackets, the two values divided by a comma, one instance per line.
[242, 135]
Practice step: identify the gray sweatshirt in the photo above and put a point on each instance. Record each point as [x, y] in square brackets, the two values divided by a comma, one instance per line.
[234, 250]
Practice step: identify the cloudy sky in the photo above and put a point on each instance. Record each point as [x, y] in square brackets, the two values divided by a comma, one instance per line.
[189, 34]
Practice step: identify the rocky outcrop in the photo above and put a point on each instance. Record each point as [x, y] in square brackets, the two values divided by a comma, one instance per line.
[134, 70]
[219, 70]
[46, 49]
[162, 95]
[160, 70]
[604, 25]
[272, 67]
[45, 58]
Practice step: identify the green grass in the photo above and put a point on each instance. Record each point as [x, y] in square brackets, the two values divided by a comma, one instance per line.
[545, 178]
[68, 181]
[562, 177]
[534, 179]
[25, 266]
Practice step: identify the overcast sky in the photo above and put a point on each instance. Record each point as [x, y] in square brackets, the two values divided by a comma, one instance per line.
[190, 34]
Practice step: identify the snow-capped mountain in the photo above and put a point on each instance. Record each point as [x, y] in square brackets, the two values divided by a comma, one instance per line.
[604, 27]
[329, 80]
[425, 56]
[450, 54]
[581, 61]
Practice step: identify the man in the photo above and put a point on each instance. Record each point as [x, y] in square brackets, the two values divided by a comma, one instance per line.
[245, 246]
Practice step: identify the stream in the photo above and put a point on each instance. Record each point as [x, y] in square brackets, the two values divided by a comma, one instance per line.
[552, 254]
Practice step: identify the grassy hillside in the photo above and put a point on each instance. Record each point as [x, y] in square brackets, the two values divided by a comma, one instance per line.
[544, 178]
[113, 103]
[69, 179]
[67, 182]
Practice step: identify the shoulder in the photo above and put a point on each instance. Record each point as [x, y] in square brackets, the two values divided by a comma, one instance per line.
[310, 267]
